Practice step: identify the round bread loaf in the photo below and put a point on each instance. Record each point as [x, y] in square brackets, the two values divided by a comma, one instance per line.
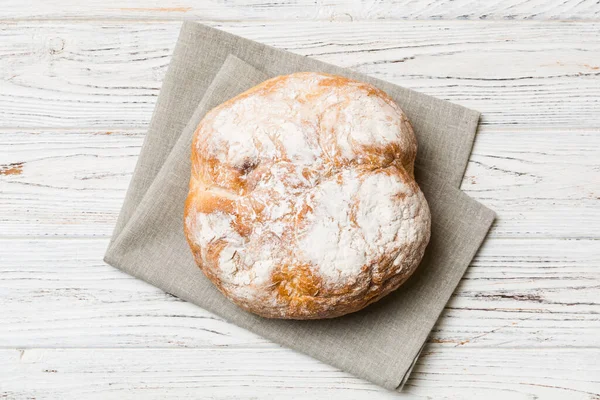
[302, 200]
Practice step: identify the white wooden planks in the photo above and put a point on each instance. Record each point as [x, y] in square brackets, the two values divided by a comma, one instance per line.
[78, 81]
[106, 75]
[517, 293]
[541, 182]
[283, 374]
[338, 10]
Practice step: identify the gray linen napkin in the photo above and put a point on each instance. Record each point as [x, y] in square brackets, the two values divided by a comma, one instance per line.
[379, 343]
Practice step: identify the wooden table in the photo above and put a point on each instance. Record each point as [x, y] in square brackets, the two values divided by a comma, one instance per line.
[77, 88]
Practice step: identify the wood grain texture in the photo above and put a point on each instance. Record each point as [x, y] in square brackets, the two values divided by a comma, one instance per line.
[517, 293]
[108, 74]
[72, 182]
[78, 82]
[340, 10]
[283, 374]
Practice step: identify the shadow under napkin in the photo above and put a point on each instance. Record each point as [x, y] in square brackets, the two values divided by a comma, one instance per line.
[379, 343]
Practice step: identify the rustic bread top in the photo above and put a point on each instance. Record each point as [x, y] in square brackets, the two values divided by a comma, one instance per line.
[302, 200]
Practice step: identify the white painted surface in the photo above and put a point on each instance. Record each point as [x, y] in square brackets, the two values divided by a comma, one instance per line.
[107, 74]
[328, 10]
[278, 374]
[77, 87]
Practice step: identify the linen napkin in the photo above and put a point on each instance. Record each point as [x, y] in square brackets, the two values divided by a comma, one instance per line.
[379, 343]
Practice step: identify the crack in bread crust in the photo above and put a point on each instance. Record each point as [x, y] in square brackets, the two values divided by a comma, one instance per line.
[302, 200]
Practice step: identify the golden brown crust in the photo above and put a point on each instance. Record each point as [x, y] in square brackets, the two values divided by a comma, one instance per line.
[262, 210]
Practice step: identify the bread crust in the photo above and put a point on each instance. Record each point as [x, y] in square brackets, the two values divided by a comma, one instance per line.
[302, 201]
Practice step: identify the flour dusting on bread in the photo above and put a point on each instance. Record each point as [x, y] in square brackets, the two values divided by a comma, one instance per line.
[302, 199]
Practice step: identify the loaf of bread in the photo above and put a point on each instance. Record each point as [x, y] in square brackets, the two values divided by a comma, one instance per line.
[302, 201]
